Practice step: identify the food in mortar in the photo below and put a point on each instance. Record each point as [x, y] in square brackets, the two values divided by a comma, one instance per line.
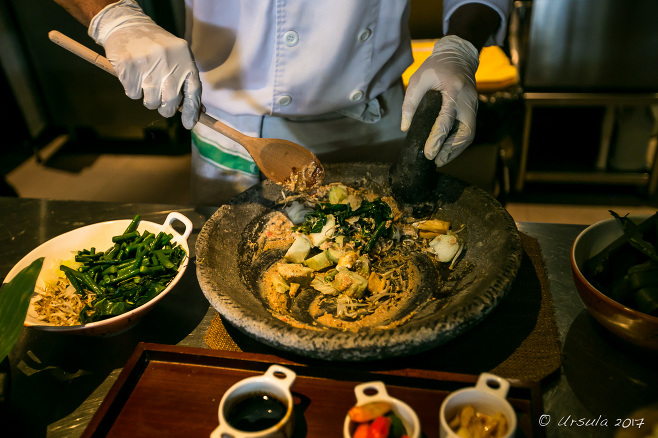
[350, 250]
[304, 179]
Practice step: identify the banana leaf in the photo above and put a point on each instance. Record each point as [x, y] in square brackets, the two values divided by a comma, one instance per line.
[14, 302]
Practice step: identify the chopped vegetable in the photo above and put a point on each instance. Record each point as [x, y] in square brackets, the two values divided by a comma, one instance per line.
[350, 283]
[362, 266]
[376, 420]
[468, 423]
[299, 250]
[320, 284]
[353, 201]
[319, 237]
[429, 229]
[297, 212]
[295, 273]
[379, 427]
[445, 246]
[362, 431]
[318, 262]
[337, 194]
[396, 429]
[59, 303]
[369, 411]
[366, 224]
[280, 285]
[335, 255]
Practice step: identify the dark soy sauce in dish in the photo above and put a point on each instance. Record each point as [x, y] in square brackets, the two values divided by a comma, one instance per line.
[256, 412]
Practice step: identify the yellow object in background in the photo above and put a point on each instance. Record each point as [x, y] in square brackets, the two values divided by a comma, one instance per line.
[495, 72]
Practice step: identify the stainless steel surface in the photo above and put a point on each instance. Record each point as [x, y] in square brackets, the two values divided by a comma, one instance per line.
[585, 53]
[594, 177]
[58, 382]
[589, 99]
[576, 45]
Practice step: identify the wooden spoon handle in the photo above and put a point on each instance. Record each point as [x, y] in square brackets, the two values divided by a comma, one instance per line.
[226, 130]
[100, 61]
[82, 51]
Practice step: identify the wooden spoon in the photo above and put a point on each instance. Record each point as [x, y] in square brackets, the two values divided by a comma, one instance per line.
[281, 161]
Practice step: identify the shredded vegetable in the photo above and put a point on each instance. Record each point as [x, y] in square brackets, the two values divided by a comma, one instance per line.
[59, 304]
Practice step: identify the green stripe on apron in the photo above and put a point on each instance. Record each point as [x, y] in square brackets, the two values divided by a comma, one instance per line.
[223, 158]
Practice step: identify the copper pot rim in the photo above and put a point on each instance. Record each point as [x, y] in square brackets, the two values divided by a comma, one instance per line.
[594, 292]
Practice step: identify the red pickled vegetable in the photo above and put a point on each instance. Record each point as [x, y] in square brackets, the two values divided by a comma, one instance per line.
[362, 431]
[379, 427]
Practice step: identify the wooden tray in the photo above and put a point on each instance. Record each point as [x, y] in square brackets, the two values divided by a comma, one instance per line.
[170, 391]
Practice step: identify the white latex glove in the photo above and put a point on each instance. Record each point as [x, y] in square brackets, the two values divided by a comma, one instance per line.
[149, 61]
[450, 69]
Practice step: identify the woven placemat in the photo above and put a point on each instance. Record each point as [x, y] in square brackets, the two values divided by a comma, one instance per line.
[539, 353]
[518, 340]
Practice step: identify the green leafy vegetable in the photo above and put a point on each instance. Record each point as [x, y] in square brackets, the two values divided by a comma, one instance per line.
[14, 302]
[627, 269]
[365, 225]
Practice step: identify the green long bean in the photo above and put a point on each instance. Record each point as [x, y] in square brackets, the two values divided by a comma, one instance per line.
[135, 269]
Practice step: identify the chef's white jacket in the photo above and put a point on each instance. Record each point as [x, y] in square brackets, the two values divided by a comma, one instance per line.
[291, 58]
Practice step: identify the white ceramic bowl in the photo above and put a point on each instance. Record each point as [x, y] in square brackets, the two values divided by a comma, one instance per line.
[370, 392]
[488, 396]
[64, 246]
[276, 382]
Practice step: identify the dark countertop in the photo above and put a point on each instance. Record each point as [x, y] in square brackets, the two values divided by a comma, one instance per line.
[58, 381]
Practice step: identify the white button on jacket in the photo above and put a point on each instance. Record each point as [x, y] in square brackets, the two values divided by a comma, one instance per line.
[284, 100]
[291, 38]
[364, 35]
[357, 96]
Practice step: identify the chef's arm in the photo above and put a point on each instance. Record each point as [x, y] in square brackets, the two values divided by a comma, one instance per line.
[451, 69]
[84, 10]
[151, 63]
